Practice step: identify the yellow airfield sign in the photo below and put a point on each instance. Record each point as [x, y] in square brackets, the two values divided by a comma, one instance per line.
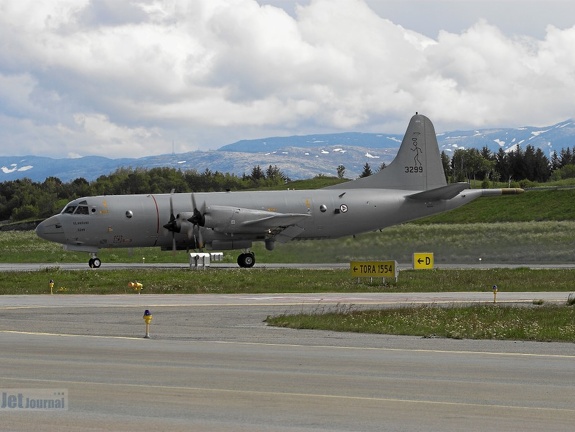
[422, 260]
[374, 268]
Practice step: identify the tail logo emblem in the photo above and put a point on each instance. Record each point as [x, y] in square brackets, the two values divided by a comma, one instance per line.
[417, 166]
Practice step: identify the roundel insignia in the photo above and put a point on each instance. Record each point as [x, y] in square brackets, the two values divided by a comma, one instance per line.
[343, 208]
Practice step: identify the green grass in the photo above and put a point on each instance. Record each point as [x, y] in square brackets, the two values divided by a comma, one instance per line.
[175, 281]
[238, 281]
[542, 205]
[537, 323]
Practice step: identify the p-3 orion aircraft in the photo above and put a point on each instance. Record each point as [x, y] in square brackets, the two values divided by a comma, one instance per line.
[411, 187]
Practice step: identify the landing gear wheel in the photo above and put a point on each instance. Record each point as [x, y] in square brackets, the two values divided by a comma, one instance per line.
[94, 263]
[247, 260]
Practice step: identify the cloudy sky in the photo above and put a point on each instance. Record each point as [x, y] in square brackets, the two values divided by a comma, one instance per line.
[143, 77]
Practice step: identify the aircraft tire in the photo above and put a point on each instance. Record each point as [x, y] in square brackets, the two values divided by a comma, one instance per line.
[94, 262]
[247, 260]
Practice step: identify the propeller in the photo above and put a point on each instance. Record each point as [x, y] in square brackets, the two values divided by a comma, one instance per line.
[197, 220]
[189, 221]
[173, 225]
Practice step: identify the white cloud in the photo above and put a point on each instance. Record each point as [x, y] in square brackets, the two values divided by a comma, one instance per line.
[129, 78]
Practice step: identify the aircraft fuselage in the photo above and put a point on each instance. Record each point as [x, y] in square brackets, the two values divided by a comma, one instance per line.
[118, 221]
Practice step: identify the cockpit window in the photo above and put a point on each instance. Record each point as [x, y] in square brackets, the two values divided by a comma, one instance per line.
[81, 208]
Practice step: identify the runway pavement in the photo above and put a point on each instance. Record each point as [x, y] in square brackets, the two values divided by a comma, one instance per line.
[211, 364]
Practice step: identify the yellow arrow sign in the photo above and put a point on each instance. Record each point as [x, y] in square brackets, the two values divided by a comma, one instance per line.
[422, 260]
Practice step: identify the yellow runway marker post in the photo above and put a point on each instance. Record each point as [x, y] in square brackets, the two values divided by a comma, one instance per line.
[148, 320]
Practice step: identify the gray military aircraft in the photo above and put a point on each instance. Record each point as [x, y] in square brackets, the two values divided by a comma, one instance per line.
[411, 187]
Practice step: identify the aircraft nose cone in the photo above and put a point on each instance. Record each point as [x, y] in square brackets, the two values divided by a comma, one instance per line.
[51, 229]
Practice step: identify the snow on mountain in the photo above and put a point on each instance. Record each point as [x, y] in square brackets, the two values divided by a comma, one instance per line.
[296, 156]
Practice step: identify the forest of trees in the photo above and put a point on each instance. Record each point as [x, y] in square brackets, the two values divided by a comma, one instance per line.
[25, 199]
[518, 166]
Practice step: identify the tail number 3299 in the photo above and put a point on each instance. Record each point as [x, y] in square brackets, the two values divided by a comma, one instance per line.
[413, 169]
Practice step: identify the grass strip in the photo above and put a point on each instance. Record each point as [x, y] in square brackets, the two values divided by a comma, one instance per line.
[239, 281]
[535, 323]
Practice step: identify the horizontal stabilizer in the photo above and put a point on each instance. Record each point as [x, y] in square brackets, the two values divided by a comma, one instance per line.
[440, 193]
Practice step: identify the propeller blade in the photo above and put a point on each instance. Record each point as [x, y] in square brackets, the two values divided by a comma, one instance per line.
[172, 225]
[201, 239]
[198, 217]
[198, 237]
[193, 201]
[197, 220]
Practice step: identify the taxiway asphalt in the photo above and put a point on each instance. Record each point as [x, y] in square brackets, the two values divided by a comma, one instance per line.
[212, 364]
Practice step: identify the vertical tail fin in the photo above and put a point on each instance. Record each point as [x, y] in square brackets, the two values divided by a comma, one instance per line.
[416, 167]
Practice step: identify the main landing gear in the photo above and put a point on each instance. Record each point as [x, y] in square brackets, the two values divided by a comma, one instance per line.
[94, 262]
[247, 260]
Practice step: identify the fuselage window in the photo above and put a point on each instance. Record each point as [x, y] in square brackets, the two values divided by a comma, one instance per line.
[69, 210]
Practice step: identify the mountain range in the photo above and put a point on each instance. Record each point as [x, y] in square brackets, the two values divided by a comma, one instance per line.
[298, 157]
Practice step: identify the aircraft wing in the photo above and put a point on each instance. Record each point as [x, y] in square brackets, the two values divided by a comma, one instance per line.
[275, 220]
[440, 193]
[239, 220]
